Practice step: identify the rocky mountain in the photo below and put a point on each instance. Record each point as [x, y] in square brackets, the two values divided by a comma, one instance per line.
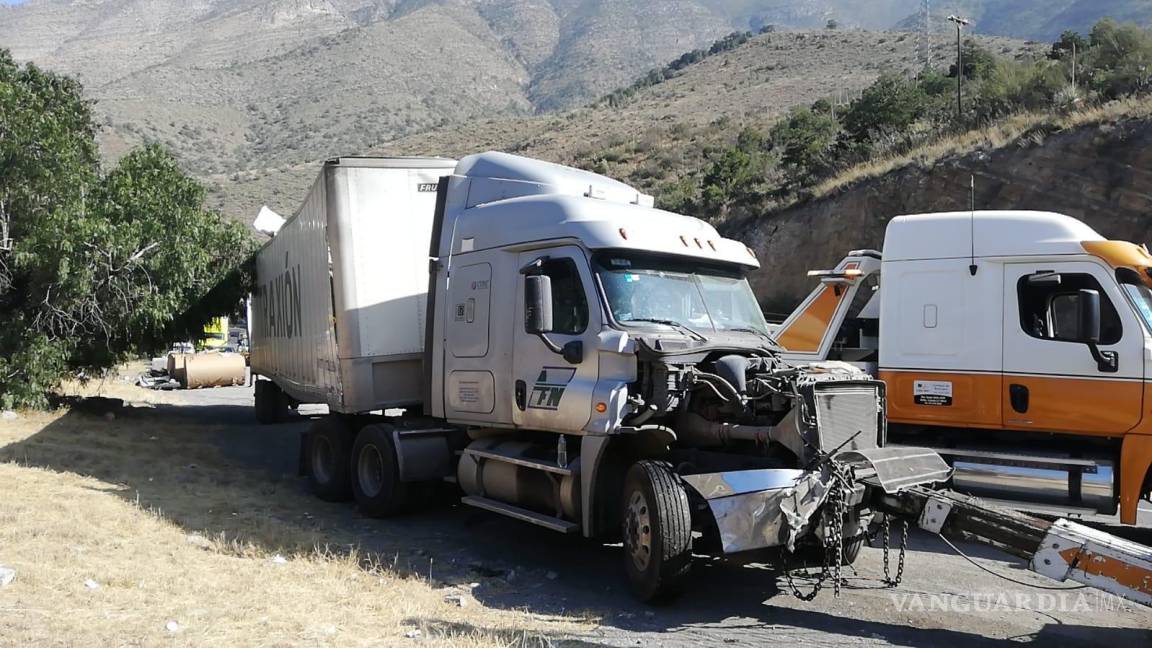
[250, 84]
[658, 133]
[234, 84]
[1032, 19]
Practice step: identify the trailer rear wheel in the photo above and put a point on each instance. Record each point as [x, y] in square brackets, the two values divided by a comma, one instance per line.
[376, 481]
[271, 403]
[329, 457]
[657, 531]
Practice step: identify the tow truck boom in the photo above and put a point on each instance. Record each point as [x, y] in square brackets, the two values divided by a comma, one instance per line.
[1061, 550]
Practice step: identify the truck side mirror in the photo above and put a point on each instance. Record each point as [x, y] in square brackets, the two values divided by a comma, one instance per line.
[1088, 318]
[538, 304]
[1088, 307]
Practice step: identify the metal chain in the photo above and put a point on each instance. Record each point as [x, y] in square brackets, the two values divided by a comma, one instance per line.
[834, 540]
[888, 580]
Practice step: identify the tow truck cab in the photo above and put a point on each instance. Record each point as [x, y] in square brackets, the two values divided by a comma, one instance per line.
[1018, 344]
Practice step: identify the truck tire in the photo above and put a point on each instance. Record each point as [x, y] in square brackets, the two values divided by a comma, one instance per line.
[329, 460]
[657, 529]
[376, 481]
[270, 403]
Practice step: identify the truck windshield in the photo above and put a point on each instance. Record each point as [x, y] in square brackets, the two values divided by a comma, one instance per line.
[1141, 298]
[649, 289]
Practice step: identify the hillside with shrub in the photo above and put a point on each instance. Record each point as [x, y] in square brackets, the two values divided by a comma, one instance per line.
[668, 126]
[1027, 138]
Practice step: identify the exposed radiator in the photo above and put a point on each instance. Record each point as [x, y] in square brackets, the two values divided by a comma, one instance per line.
[842, 411]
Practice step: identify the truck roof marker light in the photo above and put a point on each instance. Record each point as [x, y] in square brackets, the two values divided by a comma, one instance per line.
[596, 192]
[698, 244]
[684, 240]
[750, 252]
[623, 234]
[601, 407]
[712, 245]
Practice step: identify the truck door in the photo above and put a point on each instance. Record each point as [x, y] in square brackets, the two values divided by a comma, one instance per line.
[1051, 380]
[550, 392]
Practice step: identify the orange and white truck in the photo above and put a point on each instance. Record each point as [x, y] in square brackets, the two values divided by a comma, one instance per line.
[1016, 344]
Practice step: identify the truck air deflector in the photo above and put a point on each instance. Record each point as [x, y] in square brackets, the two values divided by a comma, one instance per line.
[895, 468]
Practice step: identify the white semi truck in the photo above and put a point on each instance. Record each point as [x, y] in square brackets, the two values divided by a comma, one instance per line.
[546, 344]
[1016, 344]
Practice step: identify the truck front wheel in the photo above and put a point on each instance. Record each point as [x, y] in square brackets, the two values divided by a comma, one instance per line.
[657, 531]
[328, 459]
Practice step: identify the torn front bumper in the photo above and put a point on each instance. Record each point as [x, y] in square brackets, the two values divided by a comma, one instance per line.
[757, 509]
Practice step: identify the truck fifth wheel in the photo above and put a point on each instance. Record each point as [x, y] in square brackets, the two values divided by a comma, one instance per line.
[567, 355]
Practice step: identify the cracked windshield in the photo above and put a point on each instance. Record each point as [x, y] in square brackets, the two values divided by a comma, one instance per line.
[646, 289]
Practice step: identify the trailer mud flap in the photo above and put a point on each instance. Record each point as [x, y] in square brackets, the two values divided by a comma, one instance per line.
[755, 509]
[895, 468]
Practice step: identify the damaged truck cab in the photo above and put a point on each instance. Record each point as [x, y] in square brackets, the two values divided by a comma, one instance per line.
[593, 365]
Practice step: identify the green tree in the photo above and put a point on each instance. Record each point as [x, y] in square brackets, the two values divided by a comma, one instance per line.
[891, 103]
[805, 140]
[1017, 86]
[978, 61]
[1120, 61]
[100, 265]
[1070, 41]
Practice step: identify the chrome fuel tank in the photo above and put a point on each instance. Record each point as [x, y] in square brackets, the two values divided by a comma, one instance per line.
[1072, 483]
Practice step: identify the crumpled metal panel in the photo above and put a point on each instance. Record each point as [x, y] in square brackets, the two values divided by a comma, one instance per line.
[895, 468]
[755, 509]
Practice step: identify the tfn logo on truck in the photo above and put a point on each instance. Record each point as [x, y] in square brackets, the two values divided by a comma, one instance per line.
[549, 387]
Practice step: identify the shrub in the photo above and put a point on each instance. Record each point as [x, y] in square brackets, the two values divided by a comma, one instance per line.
[892, 102]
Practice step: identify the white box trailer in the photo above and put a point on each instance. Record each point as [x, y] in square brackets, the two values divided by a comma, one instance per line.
[338, 314]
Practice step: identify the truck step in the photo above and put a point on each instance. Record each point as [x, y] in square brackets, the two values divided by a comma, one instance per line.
[996, 455]
[523, 514]
[519, 461]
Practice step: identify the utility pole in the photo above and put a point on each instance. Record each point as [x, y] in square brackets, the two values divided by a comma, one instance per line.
[1073, 66]
[960, 23]
[924, 40]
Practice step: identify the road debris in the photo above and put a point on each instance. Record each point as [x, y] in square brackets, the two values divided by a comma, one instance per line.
[197, 540]
[91, 584]
[173, 627]
[279, 560]
[7, 575]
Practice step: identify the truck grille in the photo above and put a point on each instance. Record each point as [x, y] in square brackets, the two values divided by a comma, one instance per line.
[842, 411]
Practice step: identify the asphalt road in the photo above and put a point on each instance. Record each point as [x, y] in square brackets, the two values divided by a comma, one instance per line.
[943, 600]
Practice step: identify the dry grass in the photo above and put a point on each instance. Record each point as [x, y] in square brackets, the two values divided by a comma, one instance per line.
[1013, 130]
[172, 532]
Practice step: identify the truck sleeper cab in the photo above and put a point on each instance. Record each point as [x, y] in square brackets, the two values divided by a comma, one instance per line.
[587, 363]
[1015, 343]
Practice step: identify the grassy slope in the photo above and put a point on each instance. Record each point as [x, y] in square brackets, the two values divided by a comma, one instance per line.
[1003, 134]
[662, 132]
[80, 503]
